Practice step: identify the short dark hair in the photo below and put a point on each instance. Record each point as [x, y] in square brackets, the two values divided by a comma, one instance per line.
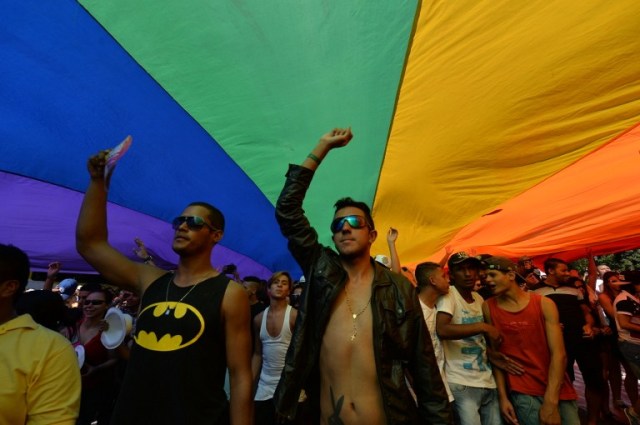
[254, 279]
[424, 271]
[552, 263]
[45, 307]
[14, 265]
[350, 202]
[215, 215]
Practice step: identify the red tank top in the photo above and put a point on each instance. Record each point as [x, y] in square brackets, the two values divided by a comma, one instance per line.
[525, 340]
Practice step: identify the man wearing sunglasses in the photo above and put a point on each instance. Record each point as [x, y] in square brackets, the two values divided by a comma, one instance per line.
[360, 333]
[193, 323]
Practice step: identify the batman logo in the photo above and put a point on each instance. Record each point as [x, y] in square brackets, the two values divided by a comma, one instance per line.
[168, 326]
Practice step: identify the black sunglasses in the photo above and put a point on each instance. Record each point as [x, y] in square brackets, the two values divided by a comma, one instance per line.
[355, 222]
[193, 222]
[94, 302]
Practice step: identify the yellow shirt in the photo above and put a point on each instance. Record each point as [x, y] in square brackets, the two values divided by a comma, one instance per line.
[39, 375]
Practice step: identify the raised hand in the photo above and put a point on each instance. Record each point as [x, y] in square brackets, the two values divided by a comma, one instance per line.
[392, 234]
[337, 138]
[96, 164]
[140, 250]
[53, 269]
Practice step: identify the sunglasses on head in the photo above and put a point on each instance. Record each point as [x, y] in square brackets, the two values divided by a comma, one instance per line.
[94, 302]
[193, 222]
[355, 222]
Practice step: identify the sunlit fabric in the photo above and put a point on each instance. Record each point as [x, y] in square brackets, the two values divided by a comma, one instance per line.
[459, 109]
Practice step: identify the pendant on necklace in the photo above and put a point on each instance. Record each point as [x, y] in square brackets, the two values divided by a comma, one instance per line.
[355, 316]
[353, 336]
[166, 313]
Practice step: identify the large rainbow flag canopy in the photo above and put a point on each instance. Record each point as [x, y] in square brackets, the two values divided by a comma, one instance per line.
[502, 127]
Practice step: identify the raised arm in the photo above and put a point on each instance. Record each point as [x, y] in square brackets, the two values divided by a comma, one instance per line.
[447, 253]
[336, 138]
[52, 273]
[237, 317]
[392, 236]
[141, 252]
[593, 271]
[92, 236]
[294, 225]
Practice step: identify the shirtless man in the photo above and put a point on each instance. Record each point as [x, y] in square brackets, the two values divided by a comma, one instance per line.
[176, 370]
[360, 326]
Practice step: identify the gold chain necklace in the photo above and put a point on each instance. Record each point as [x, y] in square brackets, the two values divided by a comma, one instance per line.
[354, 316]
[166, 297]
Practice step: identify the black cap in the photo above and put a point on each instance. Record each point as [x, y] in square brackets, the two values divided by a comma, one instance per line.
[461, 257]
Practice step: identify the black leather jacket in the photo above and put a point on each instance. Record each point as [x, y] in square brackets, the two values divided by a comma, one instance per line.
[401, 340]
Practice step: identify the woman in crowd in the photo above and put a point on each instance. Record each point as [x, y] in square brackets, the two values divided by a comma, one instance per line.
[613, 356]
[98, 370]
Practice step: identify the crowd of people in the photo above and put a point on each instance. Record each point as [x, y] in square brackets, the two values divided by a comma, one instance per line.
[472, 340]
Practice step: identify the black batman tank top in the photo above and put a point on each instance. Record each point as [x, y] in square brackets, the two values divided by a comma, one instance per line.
[177, 366]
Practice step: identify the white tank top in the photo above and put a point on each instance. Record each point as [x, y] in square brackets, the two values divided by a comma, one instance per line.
[274, 350]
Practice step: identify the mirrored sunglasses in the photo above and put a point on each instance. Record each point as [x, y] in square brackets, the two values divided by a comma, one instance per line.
[193, 222]
[355, 222]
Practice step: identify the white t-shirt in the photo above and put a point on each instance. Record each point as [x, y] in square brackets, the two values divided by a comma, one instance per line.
[466, 360]
[430, 319]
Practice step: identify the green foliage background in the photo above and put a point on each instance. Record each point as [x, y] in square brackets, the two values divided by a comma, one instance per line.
[619, 261]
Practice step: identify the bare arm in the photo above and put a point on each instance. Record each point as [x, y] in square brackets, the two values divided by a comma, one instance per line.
[549, 413]
[588, 318]
[392, 236]
[236, 316]
[447, 253]
[607, 305]
[336, 138]
[92, 236]
[141, 252]
[506, 408]
[593, 271]
[52, 272]
[256, 358]
[448, 330]
[294, 225]
[625, 323]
